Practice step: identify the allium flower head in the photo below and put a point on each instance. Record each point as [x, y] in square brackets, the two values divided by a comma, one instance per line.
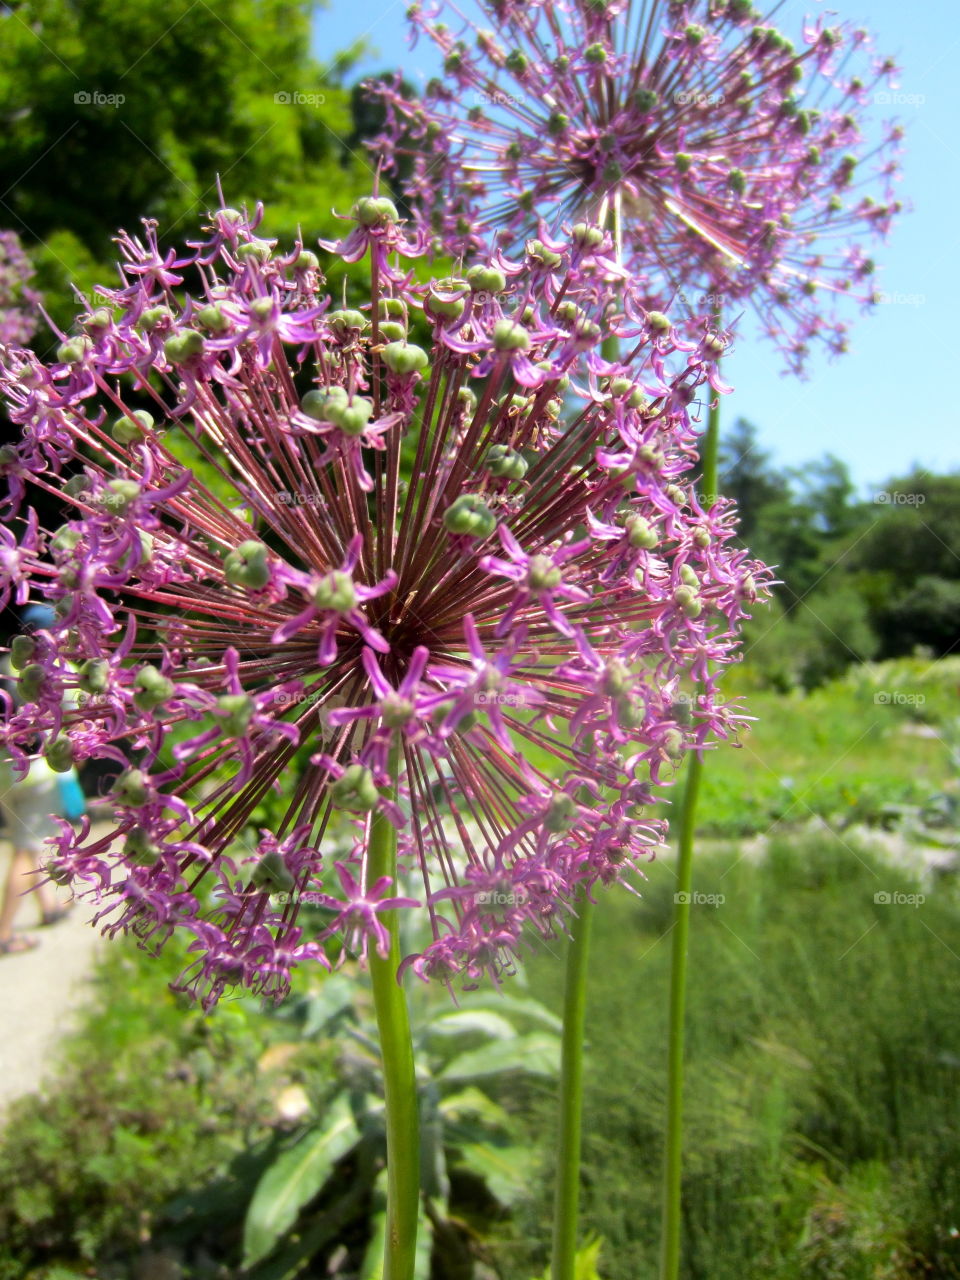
[19, 304]
[428, 557]
[730, 163]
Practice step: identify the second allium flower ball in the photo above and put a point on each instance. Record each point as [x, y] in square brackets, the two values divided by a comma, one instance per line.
[462, 583]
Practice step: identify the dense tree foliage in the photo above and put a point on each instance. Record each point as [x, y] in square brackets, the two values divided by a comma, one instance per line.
[113, 112]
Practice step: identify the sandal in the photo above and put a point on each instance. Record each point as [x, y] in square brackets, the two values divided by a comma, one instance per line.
[54, 916]
[18, 944]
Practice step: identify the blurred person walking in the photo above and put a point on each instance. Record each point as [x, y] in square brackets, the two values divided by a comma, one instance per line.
[29, 806]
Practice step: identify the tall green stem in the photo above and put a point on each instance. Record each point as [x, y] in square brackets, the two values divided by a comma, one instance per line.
[399, 1074]
[673, 1152]
[571, 1093]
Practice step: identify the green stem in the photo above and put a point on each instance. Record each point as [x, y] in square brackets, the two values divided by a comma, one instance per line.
[399, 1074]
[571, 1093]
[673, 1149]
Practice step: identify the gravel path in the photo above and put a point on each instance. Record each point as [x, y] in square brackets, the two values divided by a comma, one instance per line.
[41, 989]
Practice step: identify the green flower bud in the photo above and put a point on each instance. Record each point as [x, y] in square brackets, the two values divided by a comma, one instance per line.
[132, 788]
[517, 62]
[558, 123]
[120, 495]
[212, 318]
[539, 252]
[130, 430]
[595, 53]
[658, 322]
[543, 574]
[336, 591]
[562, 813]
[617, 680]
[681, 711]
[322, 405]
[737, 181]
[59, 754]
[355, 790]
[469, 516]
[392, 308]
[254, 251]
[153, 689]
[94, 675]
[396, 710]
[272, 874]
[139, 849]
[352, 418]
[466, 400]
[262, 308]
[237, 711]
[22, 652]
[688, 576]
[689, 604]
[449, 308]
[375, 211]
[682, 162]
[630, 714]
[347, 324]
[73, 351]
[393, 331]
[306, 260]
[702, 539]
[32, 681]
[504, 462]
[673, 745]
[404, 358]
[247, 566]
[640, 533]
[152, 317]
[98, 321]
[181, 347]
[508, 336]
[645, 100]
[587, 236]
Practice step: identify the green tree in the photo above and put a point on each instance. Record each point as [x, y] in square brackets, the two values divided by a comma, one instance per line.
[116, 111]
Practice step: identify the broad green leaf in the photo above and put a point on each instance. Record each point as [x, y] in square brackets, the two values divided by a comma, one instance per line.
[536, 1054]
[522, 1006]
[507, 1171]
[474, 1102]
[465, 1021]
[586, 1262]
[294, 1179]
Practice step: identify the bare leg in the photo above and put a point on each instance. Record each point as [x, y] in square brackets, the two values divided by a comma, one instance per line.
[19, 880]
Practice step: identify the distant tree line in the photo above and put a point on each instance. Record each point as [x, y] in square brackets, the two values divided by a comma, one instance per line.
[861, 579]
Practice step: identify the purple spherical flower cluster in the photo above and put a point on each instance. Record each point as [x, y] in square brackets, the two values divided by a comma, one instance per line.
[431, 558]
[19, 304]
[730, 164]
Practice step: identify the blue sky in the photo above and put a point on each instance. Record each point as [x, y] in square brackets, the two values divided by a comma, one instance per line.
[893, 400]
